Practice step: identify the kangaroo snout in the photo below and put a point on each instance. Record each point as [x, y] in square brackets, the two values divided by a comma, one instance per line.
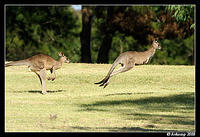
[159, 47]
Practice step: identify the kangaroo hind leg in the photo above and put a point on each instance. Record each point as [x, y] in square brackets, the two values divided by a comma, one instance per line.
[42, 76]
[37, 73]
[107, 80]
[105, 83]
[121, 69]
[108, 75]
[125, 67]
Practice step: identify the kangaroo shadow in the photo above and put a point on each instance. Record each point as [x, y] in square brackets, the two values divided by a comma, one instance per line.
[129, 93]
[48, 91]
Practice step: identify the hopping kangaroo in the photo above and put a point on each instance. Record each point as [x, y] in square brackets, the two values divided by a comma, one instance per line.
[128, 60]
[39, 64]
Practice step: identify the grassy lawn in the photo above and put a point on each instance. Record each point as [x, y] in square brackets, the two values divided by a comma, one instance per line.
[144, 99]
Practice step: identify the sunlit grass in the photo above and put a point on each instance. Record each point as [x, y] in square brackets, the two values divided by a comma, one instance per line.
[146, 98]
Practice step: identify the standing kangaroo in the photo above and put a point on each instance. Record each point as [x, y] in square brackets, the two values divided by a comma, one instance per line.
[128, 60]
[39, 64]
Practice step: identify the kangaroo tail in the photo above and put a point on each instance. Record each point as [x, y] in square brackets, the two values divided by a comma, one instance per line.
[102, 82]
[18, 63]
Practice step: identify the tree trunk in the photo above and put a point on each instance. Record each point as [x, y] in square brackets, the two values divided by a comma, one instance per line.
[85, 35]
[104, 49]
[107, 31]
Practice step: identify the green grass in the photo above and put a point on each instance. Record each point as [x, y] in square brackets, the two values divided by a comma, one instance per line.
[144, 99]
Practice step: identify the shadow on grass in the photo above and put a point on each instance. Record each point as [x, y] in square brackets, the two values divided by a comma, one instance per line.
[104, 129]
[116, 129]
[152, 110]
[48, 91]
[168, 103]
[39, 91]
[175, 119]
[129, 93]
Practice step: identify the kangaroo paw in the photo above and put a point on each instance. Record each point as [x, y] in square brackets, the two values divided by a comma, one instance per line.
[105, 85]
[44, 92]
[102, 81]
[99, 82]
[51, 78]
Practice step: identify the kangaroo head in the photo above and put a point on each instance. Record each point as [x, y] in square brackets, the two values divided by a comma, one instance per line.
[156, 45]
[63, 58]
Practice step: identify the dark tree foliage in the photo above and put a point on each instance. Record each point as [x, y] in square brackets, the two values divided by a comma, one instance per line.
[107, 31]
[98, 34]
[142, 23]
[39, 29]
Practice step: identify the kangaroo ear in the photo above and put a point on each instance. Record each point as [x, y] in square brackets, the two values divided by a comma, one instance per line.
[60, 54]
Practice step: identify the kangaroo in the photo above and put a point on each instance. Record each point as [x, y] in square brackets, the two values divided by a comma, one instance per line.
[39, 64]
[128, 60]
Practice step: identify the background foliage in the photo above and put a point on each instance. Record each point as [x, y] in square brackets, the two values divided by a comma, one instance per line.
[48, 30]
[114, 29]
